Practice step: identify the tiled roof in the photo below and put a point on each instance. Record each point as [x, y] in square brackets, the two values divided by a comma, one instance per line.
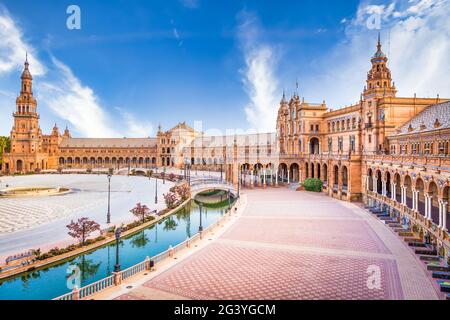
[434, 117]
[108, 143]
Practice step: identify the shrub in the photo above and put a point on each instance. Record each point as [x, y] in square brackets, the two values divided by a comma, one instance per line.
[314, 185]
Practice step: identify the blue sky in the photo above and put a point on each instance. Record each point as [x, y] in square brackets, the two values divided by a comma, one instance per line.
[135, 64]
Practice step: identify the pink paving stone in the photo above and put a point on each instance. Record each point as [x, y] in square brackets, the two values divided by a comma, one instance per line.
[246, 264]
[229, 272]
[330, 234]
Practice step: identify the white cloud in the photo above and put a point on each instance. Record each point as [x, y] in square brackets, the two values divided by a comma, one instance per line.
[259, 78]
[135, 127]
[58, 89]
[416, 37]
[191, 4]
[74, 102]
[13, 47]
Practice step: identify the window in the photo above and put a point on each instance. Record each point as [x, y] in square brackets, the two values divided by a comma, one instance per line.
[330, 144]
[370, 138]
[352, 143]
[341, 144]
[317, 127]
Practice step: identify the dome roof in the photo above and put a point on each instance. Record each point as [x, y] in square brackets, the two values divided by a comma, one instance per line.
[26, 73]
[379, 53]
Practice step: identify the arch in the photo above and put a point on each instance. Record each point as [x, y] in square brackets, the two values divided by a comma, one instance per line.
[318, 171]
[77, 161]
[312, 170]
[433, 192]
[344, 178]
[336, 177]
[69, 160]
[420, 186]
[19, 165]
[61, 161]
[294, 172]
[282, 171]
[325, 172]
[85, 160]
[314, 146]
[370, 175]
[407, 182]
[379, 182]
[388, 184]
[446, 199]
[153, 160]
[398, 184]
[306, 170]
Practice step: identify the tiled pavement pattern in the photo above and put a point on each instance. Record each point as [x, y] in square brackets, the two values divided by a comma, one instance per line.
[291, 245]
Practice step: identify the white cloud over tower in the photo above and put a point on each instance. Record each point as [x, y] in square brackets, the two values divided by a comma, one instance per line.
[58, 89]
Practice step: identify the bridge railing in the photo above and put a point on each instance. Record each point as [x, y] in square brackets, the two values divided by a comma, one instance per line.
[110, 281]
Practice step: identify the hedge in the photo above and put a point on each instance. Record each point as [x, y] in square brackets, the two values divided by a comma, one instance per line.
[314, 185]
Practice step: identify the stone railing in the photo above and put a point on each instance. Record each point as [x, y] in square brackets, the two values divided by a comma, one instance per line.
[116, 278]
[415, 217]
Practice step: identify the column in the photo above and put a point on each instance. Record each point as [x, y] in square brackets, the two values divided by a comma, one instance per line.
[444, 215]
[264, 177]
[404, 196]
[276, 177]
[426, 207]
[393, 191]
[416, 201]
[384, 188]
[375, 185]
[440, 213]
[367, 183]
[251, 179]
[288, 176]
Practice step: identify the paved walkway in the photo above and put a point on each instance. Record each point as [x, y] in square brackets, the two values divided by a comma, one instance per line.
[295, 245]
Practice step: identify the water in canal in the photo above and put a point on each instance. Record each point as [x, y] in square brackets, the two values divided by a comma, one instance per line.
[50, 282]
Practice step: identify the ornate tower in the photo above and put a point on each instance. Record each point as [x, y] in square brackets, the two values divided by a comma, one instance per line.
[379, 86]
[26, 136]
[379, 80]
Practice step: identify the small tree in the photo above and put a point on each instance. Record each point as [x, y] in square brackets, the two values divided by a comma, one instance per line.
[82, 229]
[170, 198]
[184, 191]
[141, 211]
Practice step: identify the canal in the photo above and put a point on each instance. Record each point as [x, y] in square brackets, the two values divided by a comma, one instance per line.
[53, 281]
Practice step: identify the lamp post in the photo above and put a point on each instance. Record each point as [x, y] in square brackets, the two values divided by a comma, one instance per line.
[164, 175]
[156, 190]
[108, 215]
[117, 265]
[200, 227]
[239, 182]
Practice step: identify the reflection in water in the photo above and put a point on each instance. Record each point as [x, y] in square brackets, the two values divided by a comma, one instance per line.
[50, 282]
[140, 240]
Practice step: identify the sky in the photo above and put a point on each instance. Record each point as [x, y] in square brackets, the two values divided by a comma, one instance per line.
[221, 66]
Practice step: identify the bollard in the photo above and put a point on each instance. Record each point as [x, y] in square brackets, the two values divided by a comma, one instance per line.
[201, 235]
[147, 263]
[170, 252]
[117, 278]
[75, 293]
[188, 243]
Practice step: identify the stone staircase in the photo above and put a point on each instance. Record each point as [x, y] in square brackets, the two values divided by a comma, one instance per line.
[427, 254]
